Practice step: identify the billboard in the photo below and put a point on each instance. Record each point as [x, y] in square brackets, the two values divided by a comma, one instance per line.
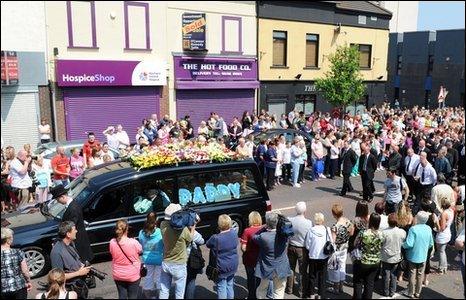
[194, 32]
[10, 74]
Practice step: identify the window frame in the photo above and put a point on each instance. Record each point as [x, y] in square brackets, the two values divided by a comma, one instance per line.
[399, 64]
[152, 179]
[284, 52]
[127, 4]
[370, 56]
[69, 16]
[317, 42]
[240, 35]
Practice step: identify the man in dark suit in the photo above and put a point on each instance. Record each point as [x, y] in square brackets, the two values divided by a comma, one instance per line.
[422, 148]
[348, 158]
[394, 160]
[74, 213]
[367, 167]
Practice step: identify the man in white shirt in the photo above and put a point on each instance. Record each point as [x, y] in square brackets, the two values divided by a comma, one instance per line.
[296, 250]
[20, 178]
[411, 164]
[44, 131]
[426, 176]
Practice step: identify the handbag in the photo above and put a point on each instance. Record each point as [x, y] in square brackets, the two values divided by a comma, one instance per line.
[211, 271]
[80, 287]
[329, 249]
[142, 270]
[195, 260]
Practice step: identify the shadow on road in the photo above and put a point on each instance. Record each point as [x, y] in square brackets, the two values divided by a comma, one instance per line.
[336, 192]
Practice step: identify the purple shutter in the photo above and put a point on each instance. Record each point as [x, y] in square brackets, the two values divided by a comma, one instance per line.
[94, 109]
[200, 103]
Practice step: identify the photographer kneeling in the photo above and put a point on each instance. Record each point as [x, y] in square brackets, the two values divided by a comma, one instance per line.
[65, 256]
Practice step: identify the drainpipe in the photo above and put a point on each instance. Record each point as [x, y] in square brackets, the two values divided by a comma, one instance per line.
[54, 109]
[257, 56]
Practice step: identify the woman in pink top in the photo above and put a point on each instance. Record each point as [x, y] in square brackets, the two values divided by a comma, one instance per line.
[77, 164]
[125, 262]
[164, 134]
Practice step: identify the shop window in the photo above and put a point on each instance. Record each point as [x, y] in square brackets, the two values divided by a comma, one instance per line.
[137, 25]
[279, 48]
[305, 103]
[365, 55]
[312, 50]
[152, 195]
[218, 186]
[81, 24]
[231, 35]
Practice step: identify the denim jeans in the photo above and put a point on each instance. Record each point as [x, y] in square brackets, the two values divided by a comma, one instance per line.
[64, 182]
[178, 273]
[295, 171]
[443, 263]
[389, 278]
[225, 288]
[127, 290]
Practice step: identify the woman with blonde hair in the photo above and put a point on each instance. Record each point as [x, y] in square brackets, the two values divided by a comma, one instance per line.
[56, 279]
[405, 220]
[126, 264]
[251, 252]
[223, 247]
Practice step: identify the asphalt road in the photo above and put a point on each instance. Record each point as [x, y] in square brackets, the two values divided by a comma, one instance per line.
[319, 197]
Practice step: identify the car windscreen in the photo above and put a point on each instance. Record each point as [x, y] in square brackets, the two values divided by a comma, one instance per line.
[78, 191]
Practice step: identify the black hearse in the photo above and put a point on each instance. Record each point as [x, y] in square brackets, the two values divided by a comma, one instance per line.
[116, 190]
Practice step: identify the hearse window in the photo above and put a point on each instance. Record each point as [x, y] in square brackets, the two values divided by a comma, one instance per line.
[111, 204]
[217, 186]
[151, 195]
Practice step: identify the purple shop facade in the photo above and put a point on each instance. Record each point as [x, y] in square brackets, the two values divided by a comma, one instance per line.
[102, 93]
[225, 85]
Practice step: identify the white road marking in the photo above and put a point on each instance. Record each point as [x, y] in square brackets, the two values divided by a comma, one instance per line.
[284, 208]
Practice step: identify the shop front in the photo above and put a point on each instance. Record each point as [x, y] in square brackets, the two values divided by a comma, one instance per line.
[214, 84]
[98, 94]
[282, 97]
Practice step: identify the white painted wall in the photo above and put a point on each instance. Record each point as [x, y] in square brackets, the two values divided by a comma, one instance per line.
[23, 26]
[405, 15]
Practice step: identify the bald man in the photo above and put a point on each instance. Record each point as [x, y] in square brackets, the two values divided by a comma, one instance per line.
[20, 179]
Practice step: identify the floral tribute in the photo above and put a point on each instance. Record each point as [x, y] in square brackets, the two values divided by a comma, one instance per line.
[173, 154]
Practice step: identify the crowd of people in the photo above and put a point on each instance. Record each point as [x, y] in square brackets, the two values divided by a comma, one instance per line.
[422, 210]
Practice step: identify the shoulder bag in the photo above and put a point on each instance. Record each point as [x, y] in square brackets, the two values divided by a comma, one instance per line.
[329, 249]
[211, 271]
[195, 260]
[143, 270]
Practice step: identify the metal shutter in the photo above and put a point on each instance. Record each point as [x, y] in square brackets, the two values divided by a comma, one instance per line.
[200, 103]
[94, 109]
[20, 119]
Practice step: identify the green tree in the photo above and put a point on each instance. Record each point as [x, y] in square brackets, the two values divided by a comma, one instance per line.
[343, 84]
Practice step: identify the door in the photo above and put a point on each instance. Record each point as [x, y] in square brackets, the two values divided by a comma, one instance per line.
[277, 109]
[20, 119]
[226, 103]
[94, 109]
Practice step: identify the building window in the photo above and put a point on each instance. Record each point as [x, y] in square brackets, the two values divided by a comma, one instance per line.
[430, 67]
[365, 55]
[362, 20]
[232, 35]
[81, 24]
[398, 65]
[312, 50]
[279, 48]
[305, 103]
[136, 24]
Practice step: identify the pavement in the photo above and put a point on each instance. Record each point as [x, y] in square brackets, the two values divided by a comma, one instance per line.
[319, 197]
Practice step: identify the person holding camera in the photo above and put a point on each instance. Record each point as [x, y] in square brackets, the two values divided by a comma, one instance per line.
[65, 256]
[175, 256]
[20, 179]
[126, 264]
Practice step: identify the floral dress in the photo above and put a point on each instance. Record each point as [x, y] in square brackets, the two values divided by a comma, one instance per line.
[342, 235]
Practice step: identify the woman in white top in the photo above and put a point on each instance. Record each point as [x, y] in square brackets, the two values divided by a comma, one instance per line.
[42, 173]
[57, 290]
[315, 241]
[444, 234]
[243, 150]
[334, 153]
[203, 129]
[44, 131]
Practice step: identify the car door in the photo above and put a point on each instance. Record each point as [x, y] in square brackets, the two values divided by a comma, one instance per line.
[102, 213]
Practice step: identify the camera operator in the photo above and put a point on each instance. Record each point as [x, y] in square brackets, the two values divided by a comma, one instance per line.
[20, 180]
[65, 256]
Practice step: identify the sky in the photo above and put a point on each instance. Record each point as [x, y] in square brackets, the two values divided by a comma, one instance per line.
[438, 15]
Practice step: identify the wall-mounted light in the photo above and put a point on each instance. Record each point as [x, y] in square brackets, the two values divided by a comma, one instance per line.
[297, 77]
[55, 51]
[112, 15]
[447, 58]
